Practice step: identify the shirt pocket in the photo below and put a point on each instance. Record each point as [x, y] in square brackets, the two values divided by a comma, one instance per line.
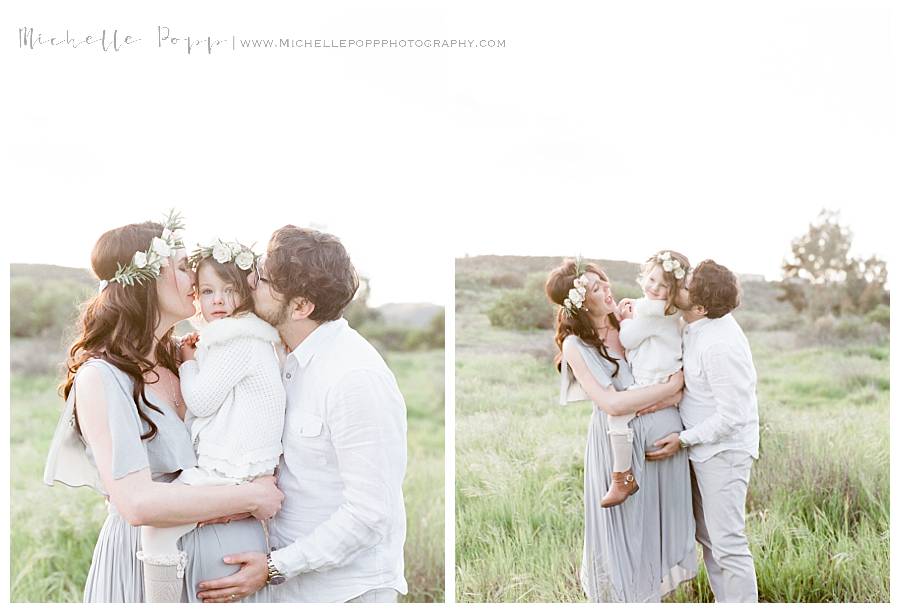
[312, 441]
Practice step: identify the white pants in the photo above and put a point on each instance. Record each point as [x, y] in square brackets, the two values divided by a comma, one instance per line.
[383, 594]
[719, 487]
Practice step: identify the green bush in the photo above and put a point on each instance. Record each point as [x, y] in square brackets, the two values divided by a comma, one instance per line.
[881, 314]
[626, 290]
[506, 280]
[521, 309]
[43, 307]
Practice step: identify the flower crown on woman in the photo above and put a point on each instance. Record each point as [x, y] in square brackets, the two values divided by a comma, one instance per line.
[224, 252]
[146, 265]
[577, 294]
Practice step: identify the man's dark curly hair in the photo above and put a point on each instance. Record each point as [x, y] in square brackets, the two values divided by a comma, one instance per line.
[306, 263]
[715, 288]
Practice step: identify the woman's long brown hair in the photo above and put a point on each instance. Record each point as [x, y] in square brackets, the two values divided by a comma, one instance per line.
[560, 281]
[118, 325]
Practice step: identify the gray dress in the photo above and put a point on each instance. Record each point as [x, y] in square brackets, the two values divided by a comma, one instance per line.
[115, 574]
[643, 548]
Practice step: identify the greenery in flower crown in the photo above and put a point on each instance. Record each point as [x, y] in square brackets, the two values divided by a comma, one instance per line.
[578, 292]
[146, 265]
[224, 252]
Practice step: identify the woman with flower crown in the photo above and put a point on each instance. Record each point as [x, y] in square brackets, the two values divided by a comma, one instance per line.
[122, 430]
[641, 549]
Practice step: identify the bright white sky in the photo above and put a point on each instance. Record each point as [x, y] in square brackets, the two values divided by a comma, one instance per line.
[613, 130]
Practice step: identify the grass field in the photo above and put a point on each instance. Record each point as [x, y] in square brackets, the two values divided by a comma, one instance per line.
[818, 506]
[53, 530]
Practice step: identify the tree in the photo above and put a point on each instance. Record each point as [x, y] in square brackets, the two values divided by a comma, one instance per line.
[821, 277]
[359, 312]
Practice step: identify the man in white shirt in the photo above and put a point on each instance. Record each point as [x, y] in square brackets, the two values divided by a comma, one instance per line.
[721, 419]
[340, 533]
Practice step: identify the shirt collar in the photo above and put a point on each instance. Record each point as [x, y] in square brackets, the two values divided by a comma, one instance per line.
[695, 326]
[317, 340]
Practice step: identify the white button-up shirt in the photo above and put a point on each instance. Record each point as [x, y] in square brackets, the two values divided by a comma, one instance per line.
[718, 408]
[341, 529]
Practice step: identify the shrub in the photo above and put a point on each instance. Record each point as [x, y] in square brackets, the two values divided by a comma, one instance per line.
[626, 290]
[881, 314]
[506, 280]
[521, 310]
[45, 307]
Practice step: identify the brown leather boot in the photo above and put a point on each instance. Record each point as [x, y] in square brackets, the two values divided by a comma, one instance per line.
[623, 485]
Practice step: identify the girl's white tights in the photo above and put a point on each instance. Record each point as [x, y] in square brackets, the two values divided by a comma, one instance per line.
[620, 440]
[164, 563]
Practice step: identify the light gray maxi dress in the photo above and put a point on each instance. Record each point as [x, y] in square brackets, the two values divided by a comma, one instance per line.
[115, 574]
[643, 548]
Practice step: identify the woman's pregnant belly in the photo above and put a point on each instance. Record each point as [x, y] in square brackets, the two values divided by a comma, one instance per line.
[654, 426]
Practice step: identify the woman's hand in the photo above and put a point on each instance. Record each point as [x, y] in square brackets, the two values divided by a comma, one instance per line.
[266, 497]
[676, 381]
[665, 403]
[225, 520]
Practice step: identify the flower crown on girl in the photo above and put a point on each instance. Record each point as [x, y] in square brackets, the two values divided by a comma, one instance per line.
[146, 265]
[224, 252]
[670, 264]
[576, 296]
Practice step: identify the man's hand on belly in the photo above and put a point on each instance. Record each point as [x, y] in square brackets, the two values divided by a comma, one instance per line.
[249, 580]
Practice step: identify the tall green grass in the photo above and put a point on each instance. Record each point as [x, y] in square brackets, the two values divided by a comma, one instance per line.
[817, 512]
[53, 530]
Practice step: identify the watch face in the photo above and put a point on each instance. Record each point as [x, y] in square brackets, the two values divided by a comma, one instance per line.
[277, 580]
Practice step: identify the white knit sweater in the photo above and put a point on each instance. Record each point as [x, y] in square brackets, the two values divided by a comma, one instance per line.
[235, 397]
[653, 341]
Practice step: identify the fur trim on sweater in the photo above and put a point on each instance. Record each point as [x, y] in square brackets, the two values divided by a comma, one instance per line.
[242, 326]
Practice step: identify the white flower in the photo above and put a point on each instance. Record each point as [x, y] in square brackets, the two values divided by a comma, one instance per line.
[103, 284]
[221, 252]
[161, 247]
[667, 265]
[665, 256]
[577, 282]
[575, 296]
[235, 249]
[679, 274]
[139, 259]
[567, 303]
[166, 233]
[244, 260]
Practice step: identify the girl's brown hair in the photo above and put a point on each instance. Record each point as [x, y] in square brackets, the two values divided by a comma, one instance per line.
[560, 281]
[118, 325]
[229, 272]
[675, 284]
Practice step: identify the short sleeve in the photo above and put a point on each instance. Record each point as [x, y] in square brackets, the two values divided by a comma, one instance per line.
[570, 389]
[70, 461]
[129, 453]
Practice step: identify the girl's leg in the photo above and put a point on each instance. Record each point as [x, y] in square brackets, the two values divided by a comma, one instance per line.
[620, 439]
[622, 482]
[164, 563]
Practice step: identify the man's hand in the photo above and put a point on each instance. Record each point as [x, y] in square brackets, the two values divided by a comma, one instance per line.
[249, 580]
[668, 446]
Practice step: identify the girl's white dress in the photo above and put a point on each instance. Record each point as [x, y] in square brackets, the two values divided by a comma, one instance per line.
[235, 401]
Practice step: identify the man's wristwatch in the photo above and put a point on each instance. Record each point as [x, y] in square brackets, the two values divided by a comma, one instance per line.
[682, 443]
[275, 577]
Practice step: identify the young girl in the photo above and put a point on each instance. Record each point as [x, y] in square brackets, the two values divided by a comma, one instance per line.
[650, 332]
[231, 384]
